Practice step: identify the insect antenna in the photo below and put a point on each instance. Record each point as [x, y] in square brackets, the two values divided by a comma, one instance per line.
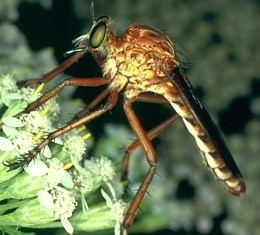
[80, 42]
[92, 11]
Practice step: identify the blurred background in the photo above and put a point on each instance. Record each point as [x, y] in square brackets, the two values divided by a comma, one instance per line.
[220, 42]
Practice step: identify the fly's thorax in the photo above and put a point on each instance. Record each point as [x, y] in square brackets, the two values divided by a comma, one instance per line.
[140, 71]
[153, 47]
[142, 55]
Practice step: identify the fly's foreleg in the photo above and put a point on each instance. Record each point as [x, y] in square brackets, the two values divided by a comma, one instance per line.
[111, 102]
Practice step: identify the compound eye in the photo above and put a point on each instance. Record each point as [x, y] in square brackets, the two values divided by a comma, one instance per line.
[98, 33]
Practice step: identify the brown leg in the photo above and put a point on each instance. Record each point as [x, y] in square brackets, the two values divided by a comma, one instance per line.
[111, 102]
[92, 104]
[59, 69]
[89, 82]
[151, 134]
[148, 98]
[150, 157]
[151, 98]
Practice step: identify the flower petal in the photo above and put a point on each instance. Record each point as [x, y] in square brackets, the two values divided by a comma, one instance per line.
[36, 168]
[67, 180]
[6, 144]
[107, 198]
[45, 199]
[9, 131]
[46, 152]
[67, 226]
[12, 121]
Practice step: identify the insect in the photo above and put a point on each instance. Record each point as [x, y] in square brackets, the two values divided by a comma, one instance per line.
[141, 65]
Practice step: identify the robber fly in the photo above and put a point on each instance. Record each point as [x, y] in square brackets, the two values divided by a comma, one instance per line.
[138, 64]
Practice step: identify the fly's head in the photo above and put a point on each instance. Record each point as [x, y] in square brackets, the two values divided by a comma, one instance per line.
[95, 40]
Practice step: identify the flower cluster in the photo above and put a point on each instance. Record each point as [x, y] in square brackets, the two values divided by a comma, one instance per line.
[53, 189]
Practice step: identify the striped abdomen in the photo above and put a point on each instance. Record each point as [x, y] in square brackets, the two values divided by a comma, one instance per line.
[208, 139]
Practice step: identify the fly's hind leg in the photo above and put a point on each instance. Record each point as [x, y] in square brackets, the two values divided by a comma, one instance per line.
[143, 139]
[151, 134]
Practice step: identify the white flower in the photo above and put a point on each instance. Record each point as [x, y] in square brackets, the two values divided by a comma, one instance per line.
[106, 168]
[83, 180]
[64, 203]
[75, 147]
[29, 95]
[7, 83]
[36, 122]
[117, 207]
[54, 175]
[60, 204]
[23, 142]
